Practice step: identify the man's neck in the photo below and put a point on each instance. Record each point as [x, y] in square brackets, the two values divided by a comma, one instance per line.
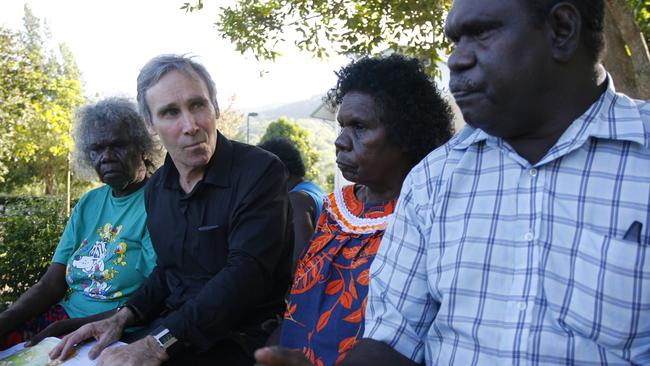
[189, 178]
[572, 99]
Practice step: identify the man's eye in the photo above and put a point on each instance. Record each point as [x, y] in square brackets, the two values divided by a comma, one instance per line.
[483, 34]
[170, 112]
[198, 105]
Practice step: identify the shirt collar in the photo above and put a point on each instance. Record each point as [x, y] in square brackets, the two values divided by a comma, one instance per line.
[618, 117]
[217, 171]
[468, 136]
[613, 116]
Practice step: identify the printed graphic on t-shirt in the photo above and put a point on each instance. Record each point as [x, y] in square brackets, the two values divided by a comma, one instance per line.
[94, 265]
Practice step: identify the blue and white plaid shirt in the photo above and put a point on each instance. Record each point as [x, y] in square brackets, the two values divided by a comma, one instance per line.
[491, 260]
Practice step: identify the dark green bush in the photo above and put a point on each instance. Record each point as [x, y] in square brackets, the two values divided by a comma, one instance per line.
[30, 228]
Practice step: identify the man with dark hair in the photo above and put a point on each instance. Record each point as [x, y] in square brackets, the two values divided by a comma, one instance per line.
[524, 240]
[217, 211]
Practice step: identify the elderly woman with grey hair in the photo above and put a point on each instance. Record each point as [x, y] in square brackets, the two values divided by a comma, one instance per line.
[105, 252]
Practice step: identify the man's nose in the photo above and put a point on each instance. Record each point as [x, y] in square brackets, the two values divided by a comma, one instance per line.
[189, 123]
[462, 57]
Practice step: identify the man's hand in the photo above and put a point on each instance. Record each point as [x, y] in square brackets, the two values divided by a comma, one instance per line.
[105, 331]
[55, 329]
[144, 352]
[278, 356]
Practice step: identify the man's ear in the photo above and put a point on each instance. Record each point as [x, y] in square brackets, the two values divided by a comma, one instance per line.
[565, 23]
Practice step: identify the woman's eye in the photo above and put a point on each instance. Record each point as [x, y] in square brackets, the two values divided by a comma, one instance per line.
[93, 154]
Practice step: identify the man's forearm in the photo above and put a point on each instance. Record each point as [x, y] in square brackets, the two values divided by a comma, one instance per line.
[221, 304]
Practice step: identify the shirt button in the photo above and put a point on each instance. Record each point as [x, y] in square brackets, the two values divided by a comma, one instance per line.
[533, 172]
[521, 306]
[529, 236]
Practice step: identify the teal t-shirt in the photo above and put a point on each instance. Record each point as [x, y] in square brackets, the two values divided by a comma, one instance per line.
[107, 251]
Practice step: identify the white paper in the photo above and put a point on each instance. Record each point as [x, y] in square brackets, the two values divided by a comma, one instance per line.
[37, 355]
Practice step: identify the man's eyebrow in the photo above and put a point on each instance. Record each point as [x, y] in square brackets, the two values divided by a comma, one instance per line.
[197, 98]
[470, 27]
[166, 107]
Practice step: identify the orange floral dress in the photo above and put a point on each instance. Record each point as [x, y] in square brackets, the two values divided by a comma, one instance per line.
[326, 305]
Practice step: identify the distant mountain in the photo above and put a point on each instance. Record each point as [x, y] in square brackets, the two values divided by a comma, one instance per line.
[295, 110]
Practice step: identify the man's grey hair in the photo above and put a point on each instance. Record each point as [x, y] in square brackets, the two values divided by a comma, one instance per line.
[158, 66]
[111, 111]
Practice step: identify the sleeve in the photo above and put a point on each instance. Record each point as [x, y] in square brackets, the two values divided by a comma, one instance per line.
[257, 240]
[149, 300]
[68, 242]
[399, 310]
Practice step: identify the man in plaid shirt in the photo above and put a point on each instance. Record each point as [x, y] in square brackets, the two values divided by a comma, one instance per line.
[523, 240]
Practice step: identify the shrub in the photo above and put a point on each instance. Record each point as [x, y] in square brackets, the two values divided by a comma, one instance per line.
[30, 228]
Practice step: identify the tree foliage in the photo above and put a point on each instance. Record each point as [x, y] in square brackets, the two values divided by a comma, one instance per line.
[365, 27]
[627, 32]
[641, 13]
[284, 127]
[41, 89]
[348, 27]
[30, 229]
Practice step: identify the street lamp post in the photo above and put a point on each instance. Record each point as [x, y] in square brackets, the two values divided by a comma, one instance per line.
[248, 125]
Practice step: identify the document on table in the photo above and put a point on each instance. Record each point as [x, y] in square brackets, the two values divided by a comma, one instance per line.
[37, 355]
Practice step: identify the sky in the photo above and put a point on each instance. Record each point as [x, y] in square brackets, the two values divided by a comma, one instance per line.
[112, 40]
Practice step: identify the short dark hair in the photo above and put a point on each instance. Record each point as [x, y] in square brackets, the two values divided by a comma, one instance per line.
[415, 115]
[158, 66]
[288, 153]
[592, 13]
[111, 111]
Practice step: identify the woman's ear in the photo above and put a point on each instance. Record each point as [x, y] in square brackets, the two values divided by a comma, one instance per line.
[565, 24]
[149, 126]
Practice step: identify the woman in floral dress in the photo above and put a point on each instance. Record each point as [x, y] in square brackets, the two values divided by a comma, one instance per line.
[391, 116]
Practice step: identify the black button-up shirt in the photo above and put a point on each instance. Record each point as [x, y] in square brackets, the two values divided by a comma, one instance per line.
[224, 249]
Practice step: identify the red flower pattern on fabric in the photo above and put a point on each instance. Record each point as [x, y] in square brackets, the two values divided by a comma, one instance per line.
[326, 306]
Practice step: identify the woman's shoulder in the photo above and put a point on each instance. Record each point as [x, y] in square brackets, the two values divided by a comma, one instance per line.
[94, 194]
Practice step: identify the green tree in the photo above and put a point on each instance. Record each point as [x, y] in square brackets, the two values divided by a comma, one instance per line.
[41, 89]
[627, 32]
[284, 127]
[412, 27]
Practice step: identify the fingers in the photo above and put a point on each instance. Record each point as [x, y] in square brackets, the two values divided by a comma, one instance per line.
[105, 357]
[104, 341]
[38, 338]
[66, 347]
[53, 330]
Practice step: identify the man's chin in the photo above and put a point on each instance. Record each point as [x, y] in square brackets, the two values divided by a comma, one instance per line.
[489, 125]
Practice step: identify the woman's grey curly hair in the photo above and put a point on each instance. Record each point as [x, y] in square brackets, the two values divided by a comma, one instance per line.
[114, 110]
